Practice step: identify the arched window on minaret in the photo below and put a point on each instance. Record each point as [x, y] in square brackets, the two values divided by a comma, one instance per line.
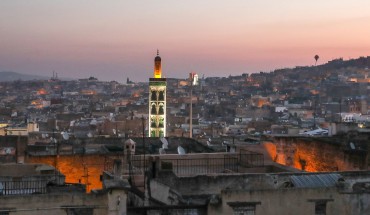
[153, 110]
[161, 122]
[161, 110]
[161, 96]
[154, 95]
[153, 124]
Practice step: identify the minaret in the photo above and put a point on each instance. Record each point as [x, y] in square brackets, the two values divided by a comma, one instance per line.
[157, 66]
[157, 101]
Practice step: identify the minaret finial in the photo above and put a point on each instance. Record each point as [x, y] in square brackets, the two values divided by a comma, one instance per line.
[157, 52]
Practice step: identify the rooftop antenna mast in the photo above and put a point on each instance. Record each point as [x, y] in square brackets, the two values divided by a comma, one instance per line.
[191, 107]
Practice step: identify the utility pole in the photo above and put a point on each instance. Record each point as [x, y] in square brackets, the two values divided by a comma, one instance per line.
[191, 107]
[314, 113]
[143, 125]
[340, 109]
[146, 202]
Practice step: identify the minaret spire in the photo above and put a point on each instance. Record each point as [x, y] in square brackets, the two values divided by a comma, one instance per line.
[157, 66]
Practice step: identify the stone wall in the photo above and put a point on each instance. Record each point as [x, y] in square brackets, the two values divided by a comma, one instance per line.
[294, 201]
[313, 155]
[112, 202]
[57, 204]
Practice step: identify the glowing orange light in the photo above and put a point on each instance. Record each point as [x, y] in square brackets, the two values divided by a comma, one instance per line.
[77, 169]
[42, 91]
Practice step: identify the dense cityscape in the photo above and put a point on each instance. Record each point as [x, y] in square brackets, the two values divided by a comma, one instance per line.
[184, 107]
[69, 137]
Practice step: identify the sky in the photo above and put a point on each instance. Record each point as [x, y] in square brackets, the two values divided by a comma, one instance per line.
[118, 39]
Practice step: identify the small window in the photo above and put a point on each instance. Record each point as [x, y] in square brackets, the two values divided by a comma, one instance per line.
[78, 211]
[154, 95]
[161, 96]
[320, 208]
[245, 210]
[161, 111]
[154, 109]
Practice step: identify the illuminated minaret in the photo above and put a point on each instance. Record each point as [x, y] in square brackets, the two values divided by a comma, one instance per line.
[157, 101]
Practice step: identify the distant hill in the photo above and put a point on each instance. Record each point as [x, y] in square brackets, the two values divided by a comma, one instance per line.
[13, 76]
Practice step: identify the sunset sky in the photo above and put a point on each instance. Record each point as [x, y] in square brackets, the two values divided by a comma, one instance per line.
[116, 39]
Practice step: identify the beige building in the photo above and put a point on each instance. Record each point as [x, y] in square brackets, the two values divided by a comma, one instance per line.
[305, 194]
[239, 183]
[263, 194]
[20, 131]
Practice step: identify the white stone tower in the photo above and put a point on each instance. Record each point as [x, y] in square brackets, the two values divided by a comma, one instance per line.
[157, 101]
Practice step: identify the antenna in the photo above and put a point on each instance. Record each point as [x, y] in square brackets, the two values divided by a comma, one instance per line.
[8, 151]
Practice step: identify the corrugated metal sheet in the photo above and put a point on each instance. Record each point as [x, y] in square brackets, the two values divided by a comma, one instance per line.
[315, 180]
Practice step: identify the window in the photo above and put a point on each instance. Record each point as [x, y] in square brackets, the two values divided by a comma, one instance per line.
[154, 95]
[320, 208]
[243, 208]
[80, 211]
[161, 111]
[161, 96]
[320, 205]
[154, 109]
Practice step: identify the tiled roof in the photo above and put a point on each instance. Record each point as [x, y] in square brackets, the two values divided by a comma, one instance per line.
[315, 180]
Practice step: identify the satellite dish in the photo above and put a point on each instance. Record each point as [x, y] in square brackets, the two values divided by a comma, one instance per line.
[89, 135]
[43, 135]
[93, 122]
[8, 151]
[1, 188]
[53, 140]
[352, 145]
[114, 131]
[180, 150]
[72, 123]
[164, 143]
[209, 139]
[162, 151]
[65, 135]
[46, 135]
[208, 143]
